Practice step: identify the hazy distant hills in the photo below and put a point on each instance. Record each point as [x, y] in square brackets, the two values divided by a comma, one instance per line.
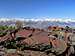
[39, 23]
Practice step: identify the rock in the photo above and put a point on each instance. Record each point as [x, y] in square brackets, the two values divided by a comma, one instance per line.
[11, 50]
[10, 54]
[2, 53]
[2, 48]
[51, 54]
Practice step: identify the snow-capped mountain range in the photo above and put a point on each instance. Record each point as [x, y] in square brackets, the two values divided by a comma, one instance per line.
[39, 22]
[39, 19]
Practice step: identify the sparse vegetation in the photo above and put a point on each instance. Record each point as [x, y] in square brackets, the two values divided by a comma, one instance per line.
[4, 29]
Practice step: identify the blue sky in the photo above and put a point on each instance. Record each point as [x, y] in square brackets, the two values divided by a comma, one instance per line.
[37, 8]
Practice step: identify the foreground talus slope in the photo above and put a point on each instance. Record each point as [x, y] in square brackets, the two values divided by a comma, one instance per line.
[32, 42]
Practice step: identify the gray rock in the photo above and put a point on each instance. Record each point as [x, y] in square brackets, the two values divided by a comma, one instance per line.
[2, 53]
[11, 50]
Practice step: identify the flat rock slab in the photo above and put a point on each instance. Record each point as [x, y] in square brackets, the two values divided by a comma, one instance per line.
[10, 50]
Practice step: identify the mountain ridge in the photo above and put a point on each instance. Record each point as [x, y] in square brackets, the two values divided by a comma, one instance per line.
[39, 23]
